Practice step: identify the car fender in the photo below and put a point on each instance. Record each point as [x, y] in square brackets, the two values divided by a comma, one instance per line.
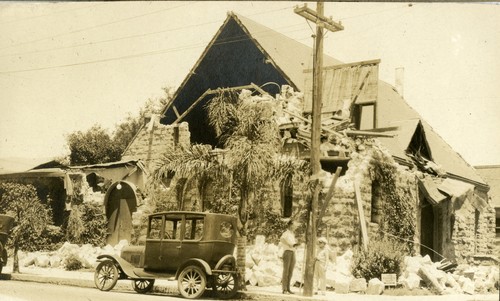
[123, 265]
[225, 260]
[194, 261]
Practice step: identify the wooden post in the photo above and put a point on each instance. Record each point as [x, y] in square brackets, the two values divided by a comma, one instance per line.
[321, 22]
[315, 156]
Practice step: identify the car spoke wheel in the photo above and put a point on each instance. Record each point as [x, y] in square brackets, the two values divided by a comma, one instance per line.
[225, 285]
[142, 286]
[106, 275]
[192, 282]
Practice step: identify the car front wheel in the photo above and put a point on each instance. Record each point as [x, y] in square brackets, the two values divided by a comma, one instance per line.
[106, 275]
[192, 282]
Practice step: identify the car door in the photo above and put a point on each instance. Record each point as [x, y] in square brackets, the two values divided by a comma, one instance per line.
[152, 253]
[171, 243]
[192, 245]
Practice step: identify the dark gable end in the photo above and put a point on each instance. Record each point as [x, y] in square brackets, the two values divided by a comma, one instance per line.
[419, 147]
[231, 59]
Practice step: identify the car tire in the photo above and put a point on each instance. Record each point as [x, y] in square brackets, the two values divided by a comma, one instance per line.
[142, 286]
[224, 285]
[106, 275]
[192, 282]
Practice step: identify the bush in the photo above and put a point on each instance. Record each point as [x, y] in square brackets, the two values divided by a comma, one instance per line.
[49, 239]
[87, 225]
[72, 263]
[382, 256]
[95, 225]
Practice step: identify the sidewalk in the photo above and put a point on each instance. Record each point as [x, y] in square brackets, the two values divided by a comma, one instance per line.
[86, 279]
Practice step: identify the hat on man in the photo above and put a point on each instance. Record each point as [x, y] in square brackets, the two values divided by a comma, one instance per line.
[323, 240]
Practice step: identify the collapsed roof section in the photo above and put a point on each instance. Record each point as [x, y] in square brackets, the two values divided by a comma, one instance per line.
[243, 52]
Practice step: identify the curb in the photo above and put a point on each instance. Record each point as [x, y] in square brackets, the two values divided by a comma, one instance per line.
[125, 285]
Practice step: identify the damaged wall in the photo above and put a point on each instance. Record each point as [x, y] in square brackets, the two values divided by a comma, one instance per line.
[154, 140]
[460, 230]
[473, 229]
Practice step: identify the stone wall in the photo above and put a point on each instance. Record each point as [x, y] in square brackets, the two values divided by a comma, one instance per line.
[342, 219]
[473, 231]
[154, 140]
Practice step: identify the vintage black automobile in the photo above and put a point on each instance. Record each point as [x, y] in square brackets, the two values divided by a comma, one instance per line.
[195, 248]
[6, 224]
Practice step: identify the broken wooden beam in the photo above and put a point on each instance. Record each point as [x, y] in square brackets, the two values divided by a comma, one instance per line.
[329, 194]
[362, 221]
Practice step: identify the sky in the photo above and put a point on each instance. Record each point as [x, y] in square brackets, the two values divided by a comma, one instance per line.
[66, 66]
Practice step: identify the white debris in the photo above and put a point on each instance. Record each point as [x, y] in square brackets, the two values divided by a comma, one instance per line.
[375, 287]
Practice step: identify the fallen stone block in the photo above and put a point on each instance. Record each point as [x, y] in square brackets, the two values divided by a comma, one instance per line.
[468, 286]
[453, 284]
[358, 285]
[55, 261]
[375, 287]
[412, 281]
[430, 280]
[42, 261]
[342, 285]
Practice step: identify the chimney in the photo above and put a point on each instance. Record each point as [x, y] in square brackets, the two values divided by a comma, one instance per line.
[399, 83]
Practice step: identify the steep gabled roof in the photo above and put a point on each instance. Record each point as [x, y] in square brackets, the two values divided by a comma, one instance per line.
[267, 48]
[288, 55]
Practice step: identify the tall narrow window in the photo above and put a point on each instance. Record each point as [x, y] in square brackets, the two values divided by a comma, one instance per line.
[476, 231]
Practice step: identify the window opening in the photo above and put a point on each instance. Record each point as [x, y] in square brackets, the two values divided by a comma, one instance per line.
[155, 226]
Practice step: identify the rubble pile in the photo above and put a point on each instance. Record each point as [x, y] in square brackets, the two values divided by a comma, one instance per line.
[464, 279]
[264, 268]
[86, 254]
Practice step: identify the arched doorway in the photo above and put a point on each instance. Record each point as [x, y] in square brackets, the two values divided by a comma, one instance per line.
[120, 201]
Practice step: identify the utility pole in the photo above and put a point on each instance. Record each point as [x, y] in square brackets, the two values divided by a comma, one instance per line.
[321, 22]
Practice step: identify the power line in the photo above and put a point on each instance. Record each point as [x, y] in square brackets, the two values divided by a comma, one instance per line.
[234, 39]
[169, 50]
[95, 26]
[131, 36]
[376, 12]
[50, 14]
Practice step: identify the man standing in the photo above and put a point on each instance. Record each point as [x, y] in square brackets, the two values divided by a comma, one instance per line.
[288, 244]
[321, 264]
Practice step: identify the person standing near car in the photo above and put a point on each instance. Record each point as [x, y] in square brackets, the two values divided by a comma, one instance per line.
[288, 244]
[320, 266]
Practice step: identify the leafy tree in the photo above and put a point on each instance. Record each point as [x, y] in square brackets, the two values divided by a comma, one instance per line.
[97, 146]
[92, 147]
[30, 215]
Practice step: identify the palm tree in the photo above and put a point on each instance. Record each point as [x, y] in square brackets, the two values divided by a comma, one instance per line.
[250, 137]
[196, 164]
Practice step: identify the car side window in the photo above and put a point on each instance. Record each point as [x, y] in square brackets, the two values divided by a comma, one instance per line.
[194, 229]
[155, 228]
[226, 229]
[172, 229]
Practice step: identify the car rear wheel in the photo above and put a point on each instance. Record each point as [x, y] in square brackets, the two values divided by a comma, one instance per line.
[106, 275]
[192, 282]
[143, 286]
[225, 285]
